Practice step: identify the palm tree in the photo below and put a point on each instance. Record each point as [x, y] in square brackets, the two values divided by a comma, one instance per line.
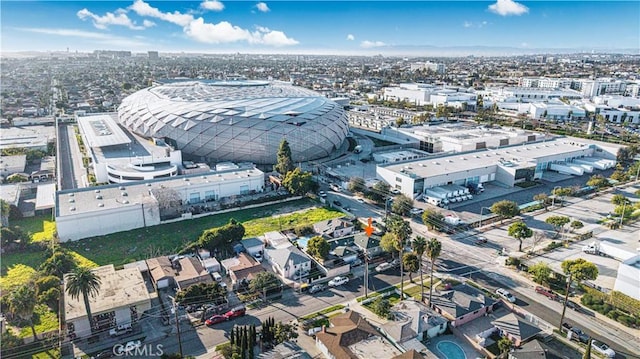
[419, 246]
[83, 281]
[433, 249]
[22, 303]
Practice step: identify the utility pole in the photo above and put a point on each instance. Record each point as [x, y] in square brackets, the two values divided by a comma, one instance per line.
[175, 312]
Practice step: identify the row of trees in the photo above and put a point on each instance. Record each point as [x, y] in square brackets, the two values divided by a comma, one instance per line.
[295, 180]
[217, 238]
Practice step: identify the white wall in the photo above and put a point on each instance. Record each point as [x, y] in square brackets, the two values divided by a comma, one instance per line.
[628, 279]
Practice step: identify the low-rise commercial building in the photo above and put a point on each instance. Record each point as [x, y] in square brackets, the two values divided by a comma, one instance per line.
[122, 298]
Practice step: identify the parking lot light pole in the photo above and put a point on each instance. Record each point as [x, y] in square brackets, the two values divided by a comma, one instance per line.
[175, 311]
[481, 209]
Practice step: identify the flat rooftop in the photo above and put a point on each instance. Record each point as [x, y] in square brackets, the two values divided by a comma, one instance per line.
[374, 347]
[102, 130]
[93, 199]
[515, 156]
[121, 288]
[27, 136]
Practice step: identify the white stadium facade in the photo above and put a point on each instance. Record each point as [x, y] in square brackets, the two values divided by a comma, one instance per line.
[239, 121]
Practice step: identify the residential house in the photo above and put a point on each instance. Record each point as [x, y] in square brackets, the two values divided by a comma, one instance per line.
[462, 304]
[345, 253]
[253, 246]
[122, 298]
[241, 269]
[286, 350]
[290, 262]
[180, 272]
[536, 349]
[370, 245]
[412, 323]
[517, 329]
[334, 228]
[411, 354]
[276, 239]
[350, 336]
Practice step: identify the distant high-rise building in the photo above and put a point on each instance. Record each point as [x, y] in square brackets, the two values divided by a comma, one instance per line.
[435, 67]
[153, 55]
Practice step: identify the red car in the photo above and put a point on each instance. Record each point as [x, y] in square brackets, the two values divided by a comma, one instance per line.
[216, 319]
[235, 312]
[547, 292]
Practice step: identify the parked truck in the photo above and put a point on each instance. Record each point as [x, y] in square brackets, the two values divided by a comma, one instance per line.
[436, 198]
[608, 250]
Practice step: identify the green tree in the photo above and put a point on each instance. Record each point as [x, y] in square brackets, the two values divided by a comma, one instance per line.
[283, 332]
[219, 237]
[432, 219]
[298, 182]
[381, 307]
[587, 350]
[411, 264]
[619, 200]
[543, 199]
[433, 250]
[202, 293]
[401, 230]
[505, 344]
[598, 181]
[402, 205]
[576, 270]
[419, 245]
[520, 231]
[379, 192]
[388, 243]
[318, 247]
[619, 175]
[541, 272]
[562, 192]
[264, 281]
[576, 225]
[22, 303]
[357, 184]
[557, 222]
[83, 281]
[505, 209]
[60, 263]
[284, 160]
[399, 121]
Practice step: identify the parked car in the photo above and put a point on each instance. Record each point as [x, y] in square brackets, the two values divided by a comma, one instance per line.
[357, 262]
[317, 288]
[337, 281]
[506, 295]
[573, 305]
[579, 335]
[235, 312]
[383, 267]
[547, 293]
[131, 346]
[216, 319]
[322, 194]
[603, 349]
[337, 203]
[120, 330]
[480, 241]
[258, 257]
[360, 200]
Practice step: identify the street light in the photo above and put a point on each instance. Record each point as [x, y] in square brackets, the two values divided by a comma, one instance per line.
[481, 209]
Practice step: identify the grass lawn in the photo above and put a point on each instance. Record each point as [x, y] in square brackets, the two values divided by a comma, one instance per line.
[41, 228]
[45, 321]
[30, 259]
[415, 291]
[49, 354]
[126, 247]
[393, 300]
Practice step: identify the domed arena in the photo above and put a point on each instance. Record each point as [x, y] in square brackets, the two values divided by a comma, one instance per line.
[239, 121]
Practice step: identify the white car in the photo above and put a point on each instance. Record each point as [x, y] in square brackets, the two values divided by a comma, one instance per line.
[506, 295]
[603, 349]
[258, 257]
[359, 200]
[131, 346]
[383, 267]
[338, 281]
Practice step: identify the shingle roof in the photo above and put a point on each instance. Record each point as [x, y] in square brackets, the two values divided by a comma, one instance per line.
[411, 354]
[347, 329]
[284, 255]
[461, 299]
[364, 242]
[516, 326]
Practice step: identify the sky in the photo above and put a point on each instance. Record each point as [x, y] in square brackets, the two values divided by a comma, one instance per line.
[322, 27]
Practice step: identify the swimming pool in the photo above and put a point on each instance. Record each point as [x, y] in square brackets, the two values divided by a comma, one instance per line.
[451, 350]
[302, 242]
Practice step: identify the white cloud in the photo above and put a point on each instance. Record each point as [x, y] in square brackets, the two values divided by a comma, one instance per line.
[508, 7]
[120, 18]
[350, 37]
[143, 9]
[148, 23]
[467, 24]
[211, 33]
[98, 37]
[371, 44]
[262, 7]
[213, 5]
[225, 32]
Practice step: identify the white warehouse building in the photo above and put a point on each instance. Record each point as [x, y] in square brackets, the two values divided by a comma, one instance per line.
[96, 211]
[507, 166]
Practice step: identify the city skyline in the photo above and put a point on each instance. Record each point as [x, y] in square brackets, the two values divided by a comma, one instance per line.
[451, 28]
